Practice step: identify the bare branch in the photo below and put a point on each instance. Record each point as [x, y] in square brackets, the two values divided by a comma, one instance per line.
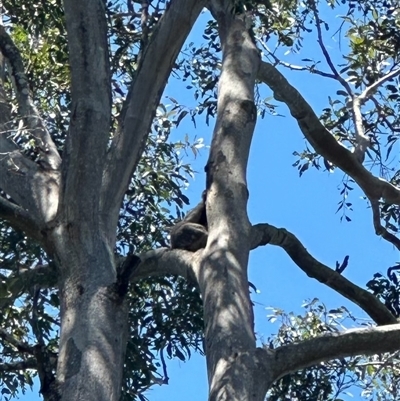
[323, 141]
[162, 262]
[21, 346]
[338, 77]
[31, 186]
[143, 98]
[266, 234]
[379, 229]
[89, 128]
[48, 151]
[372, 88]
[370, 341]
[294, 67]
[19, 219]
[362, 141]
[29, 363]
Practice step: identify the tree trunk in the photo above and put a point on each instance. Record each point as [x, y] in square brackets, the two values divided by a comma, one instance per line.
[93, 318]
[222, 273]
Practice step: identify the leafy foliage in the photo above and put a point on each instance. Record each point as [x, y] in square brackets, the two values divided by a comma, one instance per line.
[373, 34]
[375, 377]
[165, 315]
[387, 289]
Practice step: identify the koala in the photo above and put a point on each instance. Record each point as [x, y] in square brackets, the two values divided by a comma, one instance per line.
[191, 233]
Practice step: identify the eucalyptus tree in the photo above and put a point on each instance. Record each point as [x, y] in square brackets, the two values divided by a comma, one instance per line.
[73, 133]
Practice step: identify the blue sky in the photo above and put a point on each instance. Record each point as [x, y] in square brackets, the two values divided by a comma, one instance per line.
[305, 206]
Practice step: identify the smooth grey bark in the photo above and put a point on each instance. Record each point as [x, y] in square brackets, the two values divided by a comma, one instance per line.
[222, 269]
[292, 357]
[93, 311]
[263, 234]
[89, 129]
[74, 211]
[63, 204]
[150, 79]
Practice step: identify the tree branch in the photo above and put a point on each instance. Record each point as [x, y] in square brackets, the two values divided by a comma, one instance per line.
[323, 141]
[19, 219]
[89, 129]
[23, 280]
[362, 140]
[338, 77]
[29, 363]
[292, 357]
[143, 99]
[312, 69]
[379, 229]
[366, 94]
[130, 268]
[27, 109]
[28, 184]
[163, 262]
[21, 346]
[263, 234]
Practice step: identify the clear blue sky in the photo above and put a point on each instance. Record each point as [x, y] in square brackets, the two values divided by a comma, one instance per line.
[305, 206]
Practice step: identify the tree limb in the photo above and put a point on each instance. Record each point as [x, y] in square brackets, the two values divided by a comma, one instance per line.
[27, 109]
[312, 69]
[366, 94]
[89, 130]
[362, 141]
[338, 77]
[29, 363]
[143, 99]
[263, 234]
[292, 357]
[21, 346]
[379, 229]
[132, 268]
[323, 141]
[23, 280]
[28, 184]
[163, 262]
[19, 219]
